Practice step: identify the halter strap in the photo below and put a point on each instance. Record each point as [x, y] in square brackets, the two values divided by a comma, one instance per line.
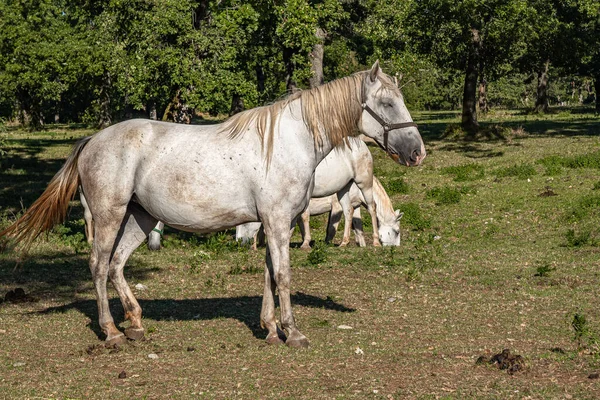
[386, 127]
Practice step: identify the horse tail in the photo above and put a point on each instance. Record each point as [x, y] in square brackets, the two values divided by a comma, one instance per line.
[51, 208]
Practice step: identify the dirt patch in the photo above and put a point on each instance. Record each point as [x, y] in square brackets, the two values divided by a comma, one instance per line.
[547, 193]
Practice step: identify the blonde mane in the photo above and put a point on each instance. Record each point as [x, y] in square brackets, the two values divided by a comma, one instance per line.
[385, 208]
[331, 110]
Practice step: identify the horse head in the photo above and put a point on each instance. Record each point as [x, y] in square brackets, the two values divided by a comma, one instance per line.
[386, 119]
[389, 230]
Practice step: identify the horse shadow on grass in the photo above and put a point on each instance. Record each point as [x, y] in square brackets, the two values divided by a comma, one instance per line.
[245, 309]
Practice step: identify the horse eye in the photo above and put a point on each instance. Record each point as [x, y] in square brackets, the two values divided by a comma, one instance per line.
[387, 105]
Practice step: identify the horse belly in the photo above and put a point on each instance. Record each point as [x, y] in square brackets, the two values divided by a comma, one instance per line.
[193, 204]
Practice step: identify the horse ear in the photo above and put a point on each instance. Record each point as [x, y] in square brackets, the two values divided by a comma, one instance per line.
[374, 71]
[395, 80]
[399, 215]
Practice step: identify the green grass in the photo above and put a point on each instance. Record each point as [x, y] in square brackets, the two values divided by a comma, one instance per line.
[497, 269]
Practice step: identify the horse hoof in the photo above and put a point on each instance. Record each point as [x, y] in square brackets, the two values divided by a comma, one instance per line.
[134, 333]
[275, 340]
[305, 246]
[344, 244]
[118, 340]
[299, 342]
[377, 244]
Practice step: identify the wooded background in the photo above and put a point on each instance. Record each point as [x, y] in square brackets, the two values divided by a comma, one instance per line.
[99, 61]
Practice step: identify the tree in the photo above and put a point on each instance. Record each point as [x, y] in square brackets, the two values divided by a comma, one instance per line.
[478, 37]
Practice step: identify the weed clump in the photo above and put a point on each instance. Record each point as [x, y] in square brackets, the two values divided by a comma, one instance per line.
[466, 172]
[579, 239]
[583, 208]
[523, 171]
[396, 186]
[543, 270]
[413, 217]
[584, 335]
[447, 195]
[318, 254]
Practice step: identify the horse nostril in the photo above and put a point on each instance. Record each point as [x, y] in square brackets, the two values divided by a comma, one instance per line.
[415, 155]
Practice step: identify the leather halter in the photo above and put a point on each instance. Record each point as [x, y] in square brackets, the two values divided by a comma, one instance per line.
[386, 127]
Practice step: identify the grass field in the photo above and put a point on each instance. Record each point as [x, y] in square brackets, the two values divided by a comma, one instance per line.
[500, 250]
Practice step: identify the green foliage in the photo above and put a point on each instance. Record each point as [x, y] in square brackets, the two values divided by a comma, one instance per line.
[318, 254]
[579, 239]
[522, 171]
[544, 270]
[414, 217]
[396, 186]
[583, 207]
[583, 333]
[466, 172]
[444, 195]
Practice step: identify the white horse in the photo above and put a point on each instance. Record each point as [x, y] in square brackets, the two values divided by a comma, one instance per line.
[344, 203]
[257, 166]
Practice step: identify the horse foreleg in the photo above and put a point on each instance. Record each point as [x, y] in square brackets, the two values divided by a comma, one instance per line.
[372, 208]
[305, 229]
[357, 224]
[278, 263]
[267, 313]
[137, 224]
[335, 216]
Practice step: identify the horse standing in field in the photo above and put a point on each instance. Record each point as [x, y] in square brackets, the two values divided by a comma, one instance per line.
[257, 166]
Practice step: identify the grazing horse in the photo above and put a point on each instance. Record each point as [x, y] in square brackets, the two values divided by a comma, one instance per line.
[347, 202]
[257, 166]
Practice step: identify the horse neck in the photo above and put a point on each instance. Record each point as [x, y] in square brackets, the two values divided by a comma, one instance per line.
[384, 207]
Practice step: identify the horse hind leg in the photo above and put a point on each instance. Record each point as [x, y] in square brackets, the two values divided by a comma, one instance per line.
[136, 226]
[106, 229]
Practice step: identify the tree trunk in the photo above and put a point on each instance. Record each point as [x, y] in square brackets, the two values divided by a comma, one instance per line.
[152, 111]
[597, 90]
[541, 102]
[483, 104]
[316, 60]
[104, 119]
[290, 83]
[237, 105]
[260, 78]
[469, 106]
